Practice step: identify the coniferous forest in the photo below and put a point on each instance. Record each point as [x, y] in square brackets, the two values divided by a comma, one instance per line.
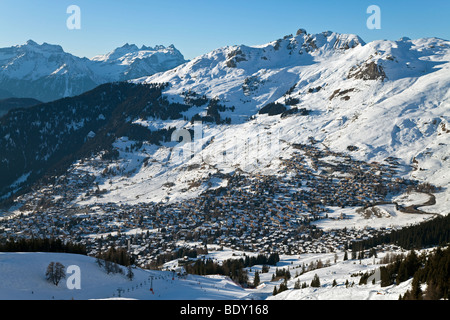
[435, 232]
[234, 268]
[41, 245]
[429, 273]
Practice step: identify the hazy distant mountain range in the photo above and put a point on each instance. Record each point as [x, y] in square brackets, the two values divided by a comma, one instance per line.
[46, 72]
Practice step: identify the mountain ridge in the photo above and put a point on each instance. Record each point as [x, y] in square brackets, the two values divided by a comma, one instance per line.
[330, 86]
[46, 72]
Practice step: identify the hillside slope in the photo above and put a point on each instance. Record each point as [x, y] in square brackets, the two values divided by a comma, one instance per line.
[22, 276]
[382, 99]
[384, 102]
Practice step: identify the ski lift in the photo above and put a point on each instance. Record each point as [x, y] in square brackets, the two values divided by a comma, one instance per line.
[151, 285]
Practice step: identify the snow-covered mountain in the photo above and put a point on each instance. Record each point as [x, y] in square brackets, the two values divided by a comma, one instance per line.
[302, 115]
[129, 61]
[46, 72]
[299, 66]
[382, 99]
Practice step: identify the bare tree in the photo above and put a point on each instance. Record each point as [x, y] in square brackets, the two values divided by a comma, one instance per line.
[55, 272]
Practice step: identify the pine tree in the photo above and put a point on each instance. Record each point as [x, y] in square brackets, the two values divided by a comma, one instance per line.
[283, 286]
[353, 253]
[130, 273]
[402, 273]
[416, 291]
[361, 255]
[315, 283]
[256, 280]
[99, 262]
[385, 277]
[275, 292]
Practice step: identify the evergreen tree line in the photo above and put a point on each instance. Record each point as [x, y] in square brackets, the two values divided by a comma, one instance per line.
[180, 253]
[53, 135]
[117, 256]
[435, 232]
[42, 245]
[431, 270]
[398, 271]
[283, 287]
[315, 283]
[113, 259]
[298, 285]
[281, 273]
[233, 268]
[435, 274]
[101, 110]
[261, 259]
[285, 273]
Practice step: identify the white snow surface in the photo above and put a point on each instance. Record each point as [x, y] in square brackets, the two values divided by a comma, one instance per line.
[22, 277]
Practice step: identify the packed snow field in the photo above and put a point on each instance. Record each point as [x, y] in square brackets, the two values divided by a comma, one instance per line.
[22, 277]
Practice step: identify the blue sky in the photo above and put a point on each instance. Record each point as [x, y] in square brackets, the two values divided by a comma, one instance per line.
[199, 26]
